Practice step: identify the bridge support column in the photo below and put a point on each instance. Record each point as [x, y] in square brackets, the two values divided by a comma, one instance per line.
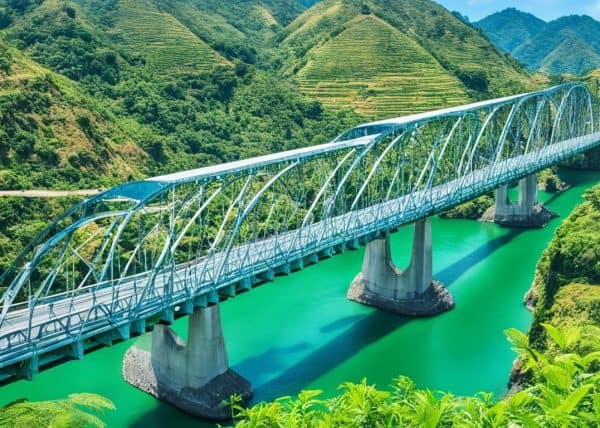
[194, 376]
[527, 212]
[410, 292]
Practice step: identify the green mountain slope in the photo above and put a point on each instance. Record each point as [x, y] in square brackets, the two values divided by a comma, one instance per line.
[180, 31]
[84, 104]
[237, 29]
[393, 76]
[567, 45]
[584, 28]
[573, 55]
[511, 28]
[388, 58]
[55, 135]
[167, 44]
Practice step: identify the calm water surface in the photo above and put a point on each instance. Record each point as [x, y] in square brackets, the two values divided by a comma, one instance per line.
[301, 332]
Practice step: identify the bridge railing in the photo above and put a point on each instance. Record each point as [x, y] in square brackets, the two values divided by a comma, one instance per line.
[143, 246]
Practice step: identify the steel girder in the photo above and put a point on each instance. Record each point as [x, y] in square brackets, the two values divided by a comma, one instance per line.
[143, 247]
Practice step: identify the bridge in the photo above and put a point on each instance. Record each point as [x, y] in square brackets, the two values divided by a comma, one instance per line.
[143, 253]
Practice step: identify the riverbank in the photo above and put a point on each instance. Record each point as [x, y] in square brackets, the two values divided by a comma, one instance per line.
[566, 288]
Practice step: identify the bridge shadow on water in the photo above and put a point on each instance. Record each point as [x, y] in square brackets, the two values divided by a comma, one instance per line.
[451, 273]
[360, 331]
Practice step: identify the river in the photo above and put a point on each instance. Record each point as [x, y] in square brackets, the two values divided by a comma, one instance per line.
[301, 332]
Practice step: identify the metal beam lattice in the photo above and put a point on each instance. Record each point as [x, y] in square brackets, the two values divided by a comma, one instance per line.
[141, 248]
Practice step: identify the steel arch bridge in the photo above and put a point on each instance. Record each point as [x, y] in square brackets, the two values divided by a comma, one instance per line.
[151, 248]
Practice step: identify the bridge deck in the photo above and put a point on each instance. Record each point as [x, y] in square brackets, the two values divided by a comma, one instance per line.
[76, 316]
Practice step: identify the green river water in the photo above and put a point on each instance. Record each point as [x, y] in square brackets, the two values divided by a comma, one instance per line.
[301, 332]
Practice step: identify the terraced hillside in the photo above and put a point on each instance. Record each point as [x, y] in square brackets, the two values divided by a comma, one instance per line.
[236, 29]
[379, 70]
[458, 46]
[166, 43]
[385, 58]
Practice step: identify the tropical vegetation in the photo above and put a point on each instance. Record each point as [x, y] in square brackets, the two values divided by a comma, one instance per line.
[566, 289]
[76, 411]
[563, 391]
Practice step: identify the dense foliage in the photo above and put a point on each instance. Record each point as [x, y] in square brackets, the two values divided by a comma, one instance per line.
[76, 411]
[563, 392]
[472, 209]
[94, 114]
[571, 261]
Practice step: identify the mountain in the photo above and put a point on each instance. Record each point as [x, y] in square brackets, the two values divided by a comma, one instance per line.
[237, 29]
[386, 58]
[93, 94]
[572, 55]
[567, 45]
[580, 32]
[511, 28]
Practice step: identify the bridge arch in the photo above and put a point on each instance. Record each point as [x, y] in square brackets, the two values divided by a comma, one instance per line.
[139, 248]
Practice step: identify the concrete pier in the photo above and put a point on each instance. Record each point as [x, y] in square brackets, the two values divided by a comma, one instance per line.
[194, 376]
[410, 292]
[527, 212]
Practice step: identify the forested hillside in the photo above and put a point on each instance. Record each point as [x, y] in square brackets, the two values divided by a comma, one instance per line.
[567, 45]
[511, 28]
[389, 58]
[88, 99]
[566, 290]
[94, 93]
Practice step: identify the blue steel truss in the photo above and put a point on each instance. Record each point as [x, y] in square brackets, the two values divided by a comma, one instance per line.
[145, 249]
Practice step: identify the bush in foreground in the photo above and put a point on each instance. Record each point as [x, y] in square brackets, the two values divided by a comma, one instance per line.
[76, 411]
[564, 391]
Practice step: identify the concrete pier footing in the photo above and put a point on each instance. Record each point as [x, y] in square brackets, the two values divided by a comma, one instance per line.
[527, 212]
[194, 376]
[410, 292]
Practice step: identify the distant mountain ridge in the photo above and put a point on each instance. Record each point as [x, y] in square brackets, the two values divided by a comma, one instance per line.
[570, 44]
[511, 28]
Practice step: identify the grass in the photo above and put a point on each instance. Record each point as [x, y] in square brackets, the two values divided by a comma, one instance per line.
[165, 42]
[311, 18]
[378, 71]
